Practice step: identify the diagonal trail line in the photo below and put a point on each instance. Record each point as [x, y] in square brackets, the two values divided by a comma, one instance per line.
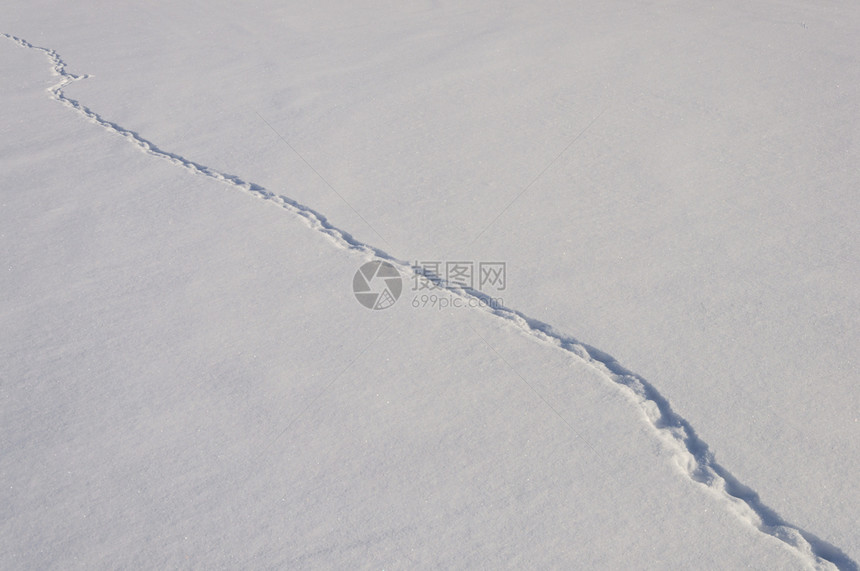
[692, 455]
[316, 172]
[312, 218]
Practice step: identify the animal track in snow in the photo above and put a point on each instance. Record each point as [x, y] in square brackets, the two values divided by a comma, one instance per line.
[691, 453]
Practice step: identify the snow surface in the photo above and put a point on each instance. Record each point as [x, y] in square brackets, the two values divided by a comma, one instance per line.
[188, 381]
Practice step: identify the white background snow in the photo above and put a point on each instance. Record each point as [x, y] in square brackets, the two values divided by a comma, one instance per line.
[186, 379]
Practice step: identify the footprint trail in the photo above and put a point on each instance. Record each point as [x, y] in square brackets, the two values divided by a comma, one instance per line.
[692, 455]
